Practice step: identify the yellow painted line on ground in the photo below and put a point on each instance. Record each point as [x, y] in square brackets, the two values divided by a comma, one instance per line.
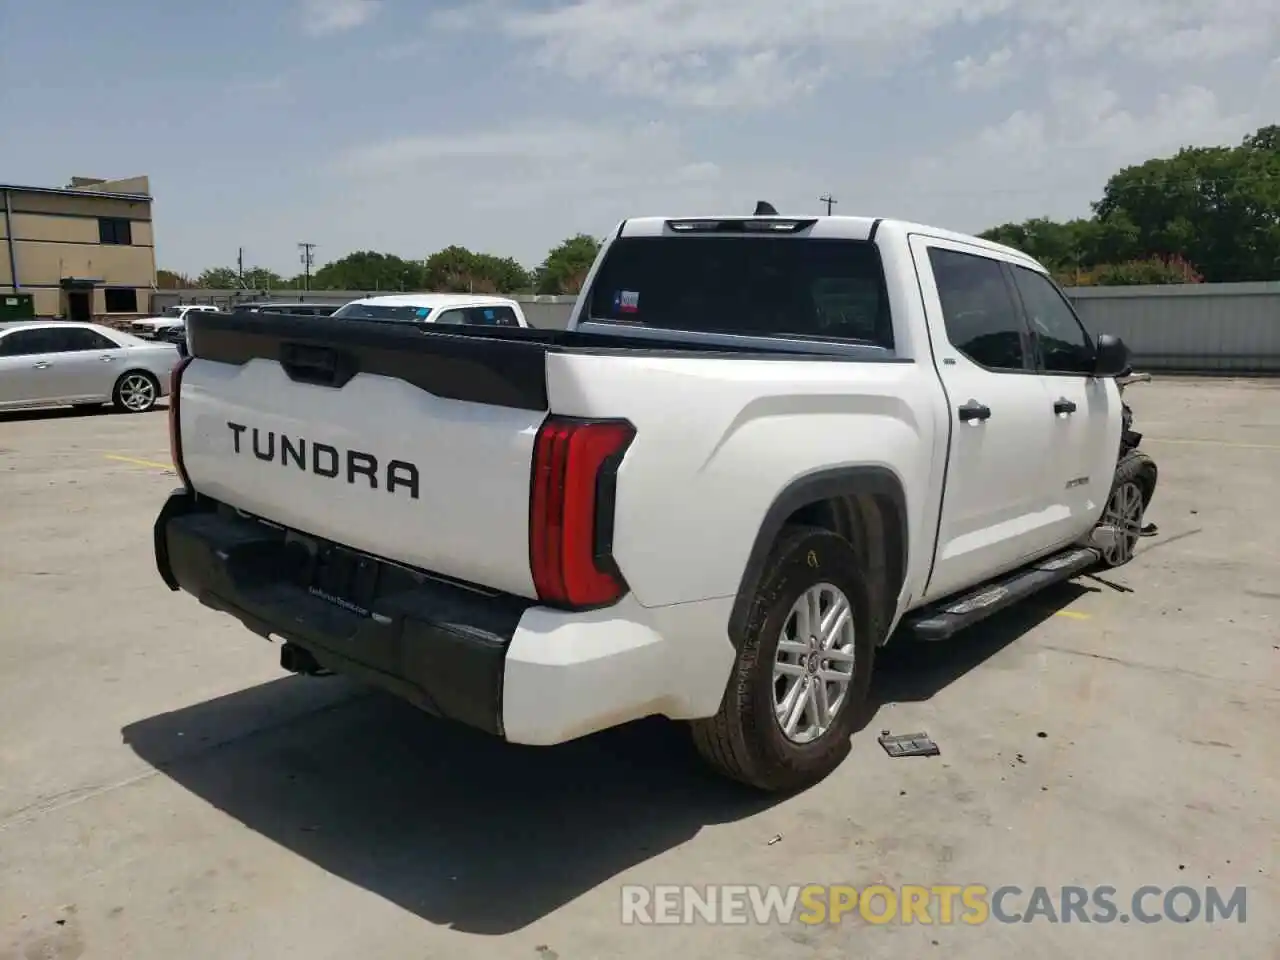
[1072, 614]
[1215, 443]
[139, 462]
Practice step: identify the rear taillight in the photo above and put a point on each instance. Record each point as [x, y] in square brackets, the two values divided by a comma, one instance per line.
[175, 414]
[571, 505]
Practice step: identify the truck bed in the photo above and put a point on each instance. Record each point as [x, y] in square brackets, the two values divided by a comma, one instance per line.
[418, 445]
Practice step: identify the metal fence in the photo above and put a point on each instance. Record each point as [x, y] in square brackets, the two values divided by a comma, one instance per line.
[1194, 328]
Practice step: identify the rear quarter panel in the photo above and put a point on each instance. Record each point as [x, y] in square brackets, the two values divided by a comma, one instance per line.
[718, 439]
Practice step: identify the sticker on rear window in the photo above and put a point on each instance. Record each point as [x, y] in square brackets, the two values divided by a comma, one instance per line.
[488, 314]
[626, 301]
[423, 311]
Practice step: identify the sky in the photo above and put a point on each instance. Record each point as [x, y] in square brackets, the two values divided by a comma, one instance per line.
[507, 125]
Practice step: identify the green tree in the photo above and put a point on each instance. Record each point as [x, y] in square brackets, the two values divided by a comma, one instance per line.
[450, 270]
[459, 270]
[1062, 247]
[566, 266]
[228, 278]
[371, 271]
[1218, 207]
[1215, 208]
[1264, 138]
[218, 278]
[172, 280]
[1141, 272]
[505, 274]
[260, 278]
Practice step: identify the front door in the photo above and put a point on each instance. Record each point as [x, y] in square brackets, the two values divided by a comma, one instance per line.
[1086, 409]
[27, 376]
[993, 507]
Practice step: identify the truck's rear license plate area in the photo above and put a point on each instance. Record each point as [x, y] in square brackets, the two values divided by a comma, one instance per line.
[344, 578]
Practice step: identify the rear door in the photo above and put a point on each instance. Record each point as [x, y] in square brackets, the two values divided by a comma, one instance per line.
[1086, 409]
[994, 505]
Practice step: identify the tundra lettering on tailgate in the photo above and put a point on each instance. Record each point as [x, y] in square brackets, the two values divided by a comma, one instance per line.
[326, 461]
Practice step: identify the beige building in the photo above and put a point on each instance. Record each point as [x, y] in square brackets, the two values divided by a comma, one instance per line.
[84, 251]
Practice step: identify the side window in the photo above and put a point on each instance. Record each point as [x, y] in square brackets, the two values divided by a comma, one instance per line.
[115, 230]
[26, 343]
[979, 310]
[454, 318]
[121, 299]
[80, 338]
[497, 316]
[1065, 346]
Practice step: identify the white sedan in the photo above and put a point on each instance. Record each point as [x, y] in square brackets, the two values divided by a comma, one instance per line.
[54, 363]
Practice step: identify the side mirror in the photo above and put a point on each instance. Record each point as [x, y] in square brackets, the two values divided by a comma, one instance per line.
[1111, 358]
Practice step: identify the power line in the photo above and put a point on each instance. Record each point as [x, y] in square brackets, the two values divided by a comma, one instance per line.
[830, 201]
[1155, 183]
[308, 258]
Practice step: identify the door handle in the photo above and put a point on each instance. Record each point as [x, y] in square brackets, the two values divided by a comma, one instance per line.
[40, 364]
[1063, 405]
[973, 410]
[107, 358]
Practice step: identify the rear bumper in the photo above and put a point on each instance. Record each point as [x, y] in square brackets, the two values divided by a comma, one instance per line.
[492, 661]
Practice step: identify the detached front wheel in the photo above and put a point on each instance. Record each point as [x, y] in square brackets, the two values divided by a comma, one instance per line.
[803, 672]
[1120, 527]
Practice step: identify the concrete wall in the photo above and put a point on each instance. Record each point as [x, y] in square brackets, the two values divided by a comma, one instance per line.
[1197, 328]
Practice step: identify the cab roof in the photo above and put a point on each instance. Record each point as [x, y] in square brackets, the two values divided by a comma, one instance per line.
[813, 227]
[437, 301]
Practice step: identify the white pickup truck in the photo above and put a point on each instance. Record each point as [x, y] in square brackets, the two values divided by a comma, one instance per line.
[763, 447]
[170, 319]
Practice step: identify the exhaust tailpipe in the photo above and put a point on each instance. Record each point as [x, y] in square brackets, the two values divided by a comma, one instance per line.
[300, 660]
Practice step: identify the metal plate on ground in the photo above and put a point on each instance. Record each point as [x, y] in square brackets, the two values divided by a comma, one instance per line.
[909, 745]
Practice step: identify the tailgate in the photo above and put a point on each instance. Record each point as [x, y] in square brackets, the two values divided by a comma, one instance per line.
[414, 447]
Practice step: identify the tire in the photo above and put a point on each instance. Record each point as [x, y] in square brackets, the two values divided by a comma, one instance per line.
[130, 396]
[745, 740]
[1120, 526]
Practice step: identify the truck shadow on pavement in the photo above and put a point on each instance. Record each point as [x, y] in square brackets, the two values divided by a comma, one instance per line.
[462, 829]
[913, 672]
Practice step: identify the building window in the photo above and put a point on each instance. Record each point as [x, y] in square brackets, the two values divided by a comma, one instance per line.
[121, 300]
[115, 230]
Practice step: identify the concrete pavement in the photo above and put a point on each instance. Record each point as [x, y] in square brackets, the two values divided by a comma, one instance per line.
[166, 791]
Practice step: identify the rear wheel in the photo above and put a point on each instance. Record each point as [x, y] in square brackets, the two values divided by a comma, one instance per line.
[1120, 527]
[136, 392]
[802, 675]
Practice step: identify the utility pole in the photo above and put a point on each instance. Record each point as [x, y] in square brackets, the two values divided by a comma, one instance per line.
[308, 258]
[830, 201]
[240, 268]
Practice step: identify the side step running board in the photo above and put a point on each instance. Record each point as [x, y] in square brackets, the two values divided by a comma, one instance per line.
[941, 620]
